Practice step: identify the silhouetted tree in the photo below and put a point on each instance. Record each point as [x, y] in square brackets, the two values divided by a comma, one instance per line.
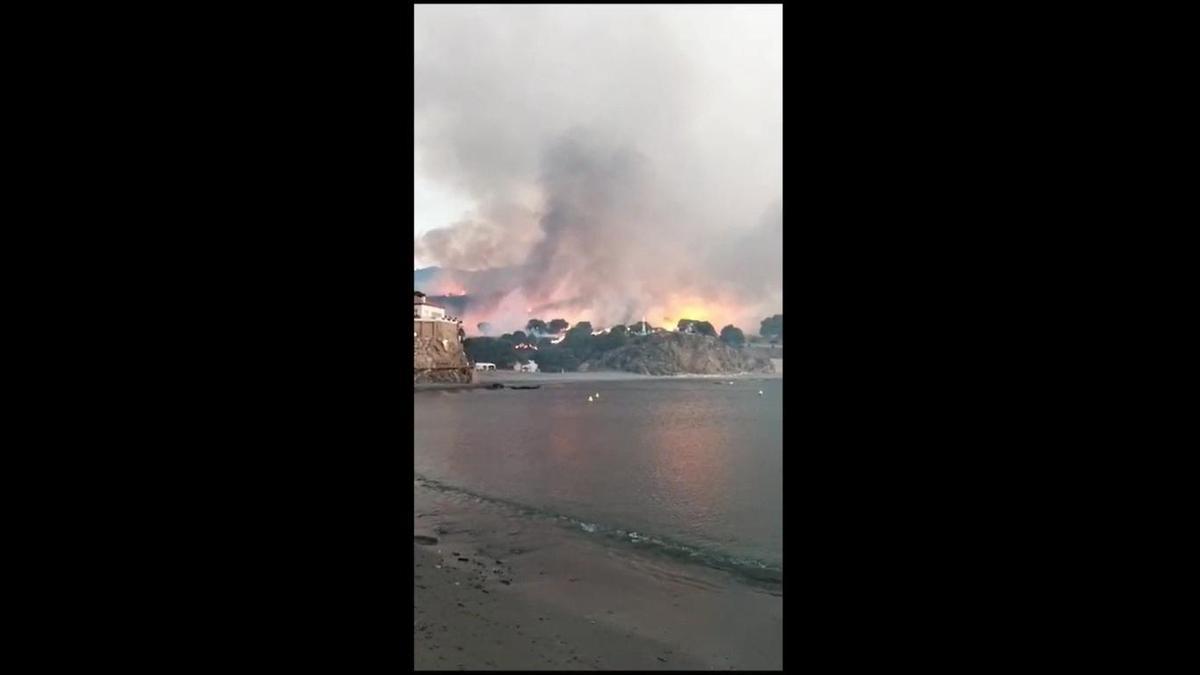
[557, 326]
[772, 327]
[490, 350]
[555, 359]
[704, 328]
[536, 326]
[579, 339]
[733, 336]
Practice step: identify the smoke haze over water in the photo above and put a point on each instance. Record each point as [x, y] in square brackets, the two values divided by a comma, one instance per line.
[612, 161]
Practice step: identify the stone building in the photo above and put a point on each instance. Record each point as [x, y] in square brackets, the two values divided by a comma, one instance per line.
[438, 354]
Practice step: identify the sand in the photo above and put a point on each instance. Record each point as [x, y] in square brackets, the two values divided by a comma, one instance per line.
[574, 604]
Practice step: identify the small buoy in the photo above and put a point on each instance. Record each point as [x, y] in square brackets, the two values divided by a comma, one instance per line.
[597, 394]
[589, 399]
[760, 392]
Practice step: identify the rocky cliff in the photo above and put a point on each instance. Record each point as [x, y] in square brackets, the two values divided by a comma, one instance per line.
[438, 356]
[679, 353]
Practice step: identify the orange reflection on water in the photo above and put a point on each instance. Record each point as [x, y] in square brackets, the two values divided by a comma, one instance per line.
[693, 454]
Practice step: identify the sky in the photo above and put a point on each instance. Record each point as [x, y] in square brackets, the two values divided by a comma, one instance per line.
[620, 160]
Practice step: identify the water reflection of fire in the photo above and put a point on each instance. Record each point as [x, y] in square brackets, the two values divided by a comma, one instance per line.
[694, 457]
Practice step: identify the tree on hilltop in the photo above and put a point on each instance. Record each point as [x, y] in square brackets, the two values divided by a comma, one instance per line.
[772, 327]
[579, 338]
[733, 336]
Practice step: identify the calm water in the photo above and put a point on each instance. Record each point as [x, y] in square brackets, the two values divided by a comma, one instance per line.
[686, 466]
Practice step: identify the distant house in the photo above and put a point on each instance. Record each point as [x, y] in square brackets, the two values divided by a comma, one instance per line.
[530, 367]
[425, 311]
[485, 366]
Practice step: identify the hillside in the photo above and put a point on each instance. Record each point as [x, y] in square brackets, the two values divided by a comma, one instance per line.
[679, 353]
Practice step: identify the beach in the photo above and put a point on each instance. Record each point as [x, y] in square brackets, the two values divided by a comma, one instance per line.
[638, 530]
[572, 605]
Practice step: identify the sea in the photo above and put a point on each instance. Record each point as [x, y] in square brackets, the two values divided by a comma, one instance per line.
[689, 469]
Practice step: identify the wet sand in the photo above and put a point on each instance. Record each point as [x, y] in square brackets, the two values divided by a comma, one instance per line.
[569, 603]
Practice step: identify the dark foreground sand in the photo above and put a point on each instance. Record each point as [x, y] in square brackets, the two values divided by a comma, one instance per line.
[575, 604]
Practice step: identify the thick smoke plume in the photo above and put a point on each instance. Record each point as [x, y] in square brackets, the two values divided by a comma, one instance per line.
[620, 161]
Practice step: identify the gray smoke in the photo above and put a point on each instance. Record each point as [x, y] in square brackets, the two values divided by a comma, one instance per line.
[500, 237]
[627, 159]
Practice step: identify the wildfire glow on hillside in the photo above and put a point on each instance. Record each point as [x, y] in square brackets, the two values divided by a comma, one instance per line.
[506, 311]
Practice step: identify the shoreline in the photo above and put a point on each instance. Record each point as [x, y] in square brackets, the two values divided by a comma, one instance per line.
[484, 379]
[601, 375]
[497, 593]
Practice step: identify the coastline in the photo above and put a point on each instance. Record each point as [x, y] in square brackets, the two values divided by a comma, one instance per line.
[496, 594]
[484, 380]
